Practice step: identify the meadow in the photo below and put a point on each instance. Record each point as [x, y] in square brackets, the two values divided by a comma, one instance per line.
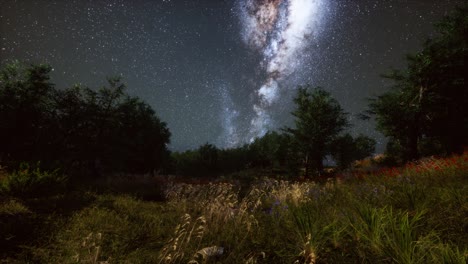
[412, 214]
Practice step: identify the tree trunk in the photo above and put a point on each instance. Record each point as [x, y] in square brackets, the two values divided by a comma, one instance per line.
[412, 148]
[318, 160]
[414, 133]
[306, 163]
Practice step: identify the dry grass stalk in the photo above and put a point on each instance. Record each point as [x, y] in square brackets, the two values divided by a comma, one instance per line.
[185, 233]
[92, 246]
[254, 257]
[308, 255]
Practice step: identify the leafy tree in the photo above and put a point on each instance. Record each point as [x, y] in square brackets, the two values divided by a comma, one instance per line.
[319, 119]
[346, 149]
[107, 130]
[79, 128]
[343, 150]
[364, 146]
[272, 152]
[399, 116]
[265, 151]
[276, 151]
[429, 100]
[25, 109]
[442, 70]
[208, 158]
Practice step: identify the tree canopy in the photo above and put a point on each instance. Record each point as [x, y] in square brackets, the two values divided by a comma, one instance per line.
[345, 149]
[78, 128]
[319, 119]
[425, 113]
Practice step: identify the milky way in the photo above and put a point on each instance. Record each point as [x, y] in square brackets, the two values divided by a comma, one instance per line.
[222, 71]
[279, 30]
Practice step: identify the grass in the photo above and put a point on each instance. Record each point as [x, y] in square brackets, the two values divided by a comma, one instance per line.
[414, 214]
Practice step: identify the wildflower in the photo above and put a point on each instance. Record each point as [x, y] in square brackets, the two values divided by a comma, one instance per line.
[375, 191]
[277, 202]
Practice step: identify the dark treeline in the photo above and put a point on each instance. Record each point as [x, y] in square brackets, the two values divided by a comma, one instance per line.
[319, 132]
[80, 130]
[94, 132]
[271, 152]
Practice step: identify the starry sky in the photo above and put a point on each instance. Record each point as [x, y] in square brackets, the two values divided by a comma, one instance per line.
[223, 71]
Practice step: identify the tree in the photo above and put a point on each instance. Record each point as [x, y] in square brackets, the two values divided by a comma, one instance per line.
[78, 128]
[208, 159]
[108, 131]
[345, 149]
[319, 119]
[25, 110]
[364, 147]
[442, 67]
[429, 100]
[399, 116]
[265, 150]
[276, 151]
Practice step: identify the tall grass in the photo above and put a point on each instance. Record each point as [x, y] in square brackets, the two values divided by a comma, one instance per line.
[415, 214]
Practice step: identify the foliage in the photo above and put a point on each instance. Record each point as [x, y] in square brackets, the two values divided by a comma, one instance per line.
[346, 149]
[203, 162]
[32, 182]
[425, 112]
[275, 150]
[319, 120]
[80, 129]
[413, 214]
[108, 130]
[25, 109]
[272, 152]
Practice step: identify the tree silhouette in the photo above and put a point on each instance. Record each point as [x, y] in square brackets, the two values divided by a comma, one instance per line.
[25, 110]
[427, 106]
[345, 149]
[78, 129]
[319, 119]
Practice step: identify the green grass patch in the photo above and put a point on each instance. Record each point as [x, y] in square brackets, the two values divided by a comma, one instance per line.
[413, 216]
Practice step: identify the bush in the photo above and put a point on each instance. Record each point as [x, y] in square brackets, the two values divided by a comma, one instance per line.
[28, 182]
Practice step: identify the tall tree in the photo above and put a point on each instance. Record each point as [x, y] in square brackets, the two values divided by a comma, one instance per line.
[399, 115]
[345, 149]
[319, 119]
[25, 110]
[429, 99]
[442, 69]
[77, 127]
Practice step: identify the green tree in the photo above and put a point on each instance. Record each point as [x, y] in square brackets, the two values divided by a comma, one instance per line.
[25, 111]
[441, 71]
[208, 155]
[429, 99]
[107, 130]
[364, 147]
[345, 149]
[265, 151]
[319, 119]
[274, 151]
[399, 116]
[203, 162]
[79, 128]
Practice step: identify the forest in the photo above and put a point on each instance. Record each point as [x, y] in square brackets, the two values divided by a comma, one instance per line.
[87, 176]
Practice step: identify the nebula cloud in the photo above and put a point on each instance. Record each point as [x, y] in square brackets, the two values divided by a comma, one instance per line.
[230, 137]
[279, 30]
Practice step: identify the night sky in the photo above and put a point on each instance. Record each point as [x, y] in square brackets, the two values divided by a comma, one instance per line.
[222, 71]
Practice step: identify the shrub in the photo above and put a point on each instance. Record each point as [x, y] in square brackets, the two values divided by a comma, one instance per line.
[28, 182]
